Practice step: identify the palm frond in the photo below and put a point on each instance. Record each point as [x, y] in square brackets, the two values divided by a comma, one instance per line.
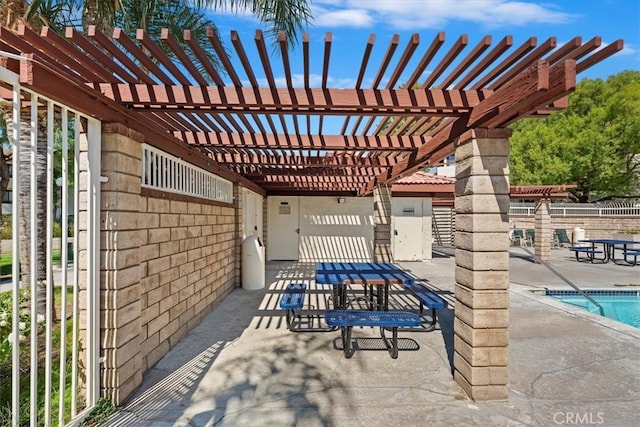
[290, 16]
[174, 15]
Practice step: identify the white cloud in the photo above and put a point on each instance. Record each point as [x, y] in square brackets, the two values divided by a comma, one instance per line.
[315, 81]
[358, 18]
[629, 49]
[433, 14]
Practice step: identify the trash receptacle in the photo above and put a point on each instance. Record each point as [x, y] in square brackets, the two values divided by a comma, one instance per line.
[252, 268]
[578, 234]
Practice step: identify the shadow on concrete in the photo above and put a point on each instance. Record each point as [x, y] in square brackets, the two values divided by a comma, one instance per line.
[443, 252]
[280, 375]
[241, 366]
[194, 384]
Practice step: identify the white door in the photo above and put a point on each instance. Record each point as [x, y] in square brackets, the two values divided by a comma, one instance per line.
[284, 228]
[407, 227]
[252, 221]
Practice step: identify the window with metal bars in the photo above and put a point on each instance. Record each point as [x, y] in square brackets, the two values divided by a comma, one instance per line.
[162, 171]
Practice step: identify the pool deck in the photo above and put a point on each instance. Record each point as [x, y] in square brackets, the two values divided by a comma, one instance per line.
[242, 367]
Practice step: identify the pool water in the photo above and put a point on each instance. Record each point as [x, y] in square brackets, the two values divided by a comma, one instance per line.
[623, 306]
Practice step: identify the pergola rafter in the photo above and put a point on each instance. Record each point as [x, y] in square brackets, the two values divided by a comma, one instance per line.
[238, 120]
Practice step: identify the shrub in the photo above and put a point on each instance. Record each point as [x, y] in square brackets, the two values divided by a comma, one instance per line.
[6, 319]
[6, 232]
[99, 413]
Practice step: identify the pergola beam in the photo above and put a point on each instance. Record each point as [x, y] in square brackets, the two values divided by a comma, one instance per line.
[325, 101]
[300, 142]
[532, 89]
[262, 171]
[341, 161]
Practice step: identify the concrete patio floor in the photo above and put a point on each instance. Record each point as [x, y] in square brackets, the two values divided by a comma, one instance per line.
[242, 367]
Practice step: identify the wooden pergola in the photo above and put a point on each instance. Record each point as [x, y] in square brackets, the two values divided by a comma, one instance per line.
[539, 192]
[238, 121]
[275, 138]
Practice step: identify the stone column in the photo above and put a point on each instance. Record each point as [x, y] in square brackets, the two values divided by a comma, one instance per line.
[482, 263]
[543, 230]
[382, 224]
[120, 269]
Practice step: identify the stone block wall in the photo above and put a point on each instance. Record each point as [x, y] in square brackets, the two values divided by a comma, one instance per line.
[188, 264]
[166, 261]
[595, 227]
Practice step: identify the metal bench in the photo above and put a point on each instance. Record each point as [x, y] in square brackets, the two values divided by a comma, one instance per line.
[428, 298]
[589, 251]
[292, 299]
[635, 253]
[347, 319]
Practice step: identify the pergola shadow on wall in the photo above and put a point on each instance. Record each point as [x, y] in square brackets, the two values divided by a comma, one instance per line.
[420, 104]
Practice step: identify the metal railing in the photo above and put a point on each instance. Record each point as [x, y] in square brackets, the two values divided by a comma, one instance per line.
[579, 209]
[55, 310]
[567, 281]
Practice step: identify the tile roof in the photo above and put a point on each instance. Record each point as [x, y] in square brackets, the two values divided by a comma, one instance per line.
[422, 177]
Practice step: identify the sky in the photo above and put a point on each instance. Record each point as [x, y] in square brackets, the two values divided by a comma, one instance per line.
[351, 22]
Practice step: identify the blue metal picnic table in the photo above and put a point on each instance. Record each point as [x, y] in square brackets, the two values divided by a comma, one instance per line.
[369, 274]
[609, 247]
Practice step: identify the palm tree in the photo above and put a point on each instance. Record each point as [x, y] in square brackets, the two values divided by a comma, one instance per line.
[289, 16]
[35, 15]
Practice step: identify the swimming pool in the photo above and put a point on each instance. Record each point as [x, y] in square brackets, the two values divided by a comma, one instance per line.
[623, 306]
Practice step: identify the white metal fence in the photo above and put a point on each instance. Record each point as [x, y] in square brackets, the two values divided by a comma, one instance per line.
[579, 209]
[49, 304]
[162, 171]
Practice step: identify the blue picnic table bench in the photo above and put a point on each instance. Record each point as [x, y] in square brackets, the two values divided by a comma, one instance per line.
[292, 301]
[635, 253]
[589, 253]
[347, 319]
[426, 297]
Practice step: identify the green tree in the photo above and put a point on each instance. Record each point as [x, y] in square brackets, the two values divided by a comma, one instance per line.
[594, 143]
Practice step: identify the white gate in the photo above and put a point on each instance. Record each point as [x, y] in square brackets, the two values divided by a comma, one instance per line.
[49, 301]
